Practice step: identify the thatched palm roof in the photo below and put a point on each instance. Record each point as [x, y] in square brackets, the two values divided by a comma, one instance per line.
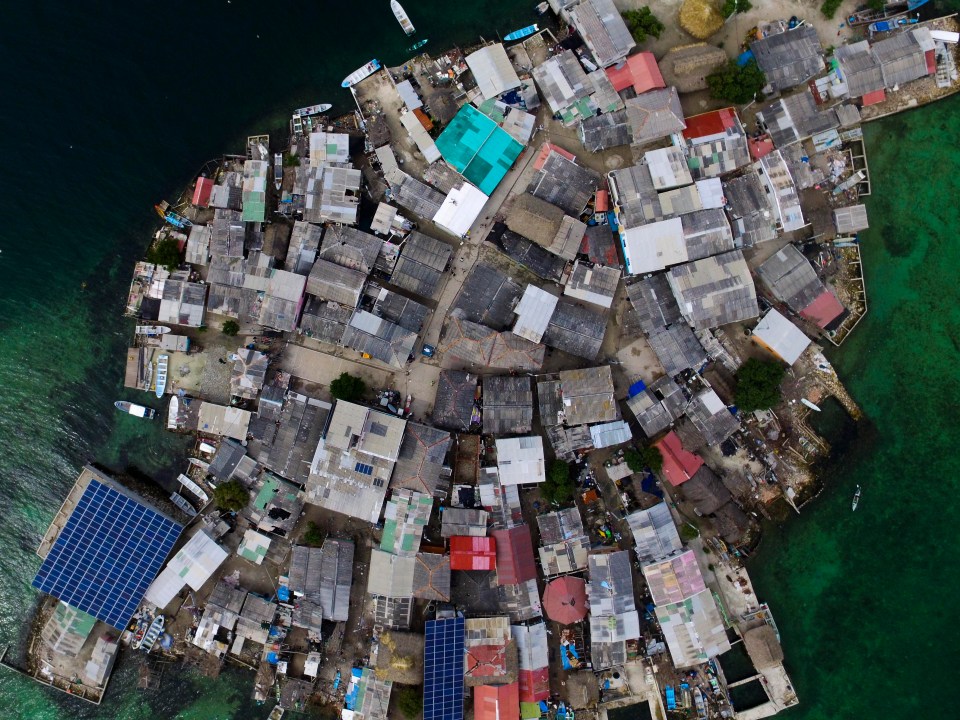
[700, 18]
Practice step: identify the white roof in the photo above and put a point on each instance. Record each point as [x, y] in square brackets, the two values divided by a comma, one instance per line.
[781, 337]
[654, 246]
[492, 70]
[533, 313]
[420, 136]
[383, 218]
[388, 161]
[461, 208]
[193, 565]
[326, 148]
[711, 193]
[520, 460]
[945, 36]
[409, 95]
[225, 421]
[712, 402]
[668, 167]
[611, 433]
[693, 629]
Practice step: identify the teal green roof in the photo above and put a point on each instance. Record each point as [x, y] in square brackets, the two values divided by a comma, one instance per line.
[478, 148]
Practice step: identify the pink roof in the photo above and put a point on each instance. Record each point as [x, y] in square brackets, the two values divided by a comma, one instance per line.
[760, 147]
[824, 310]
[679, 465]
[499, 702]
[534, 685]
[565, 600]
[486, 661]
[201, 193]
[515, 562]
[473, 553]
[639, 70]
[545, 151]
[872, 98]
[710, 123]
[931, 57]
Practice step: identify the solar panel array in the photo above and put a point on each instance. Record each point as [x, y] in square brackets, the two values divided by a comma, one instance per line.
[443, 670]
[107, 554]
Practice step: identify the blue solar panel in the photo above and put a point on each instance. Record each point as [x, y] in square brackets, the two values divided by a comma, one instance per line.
[443, 670]
[107, 554]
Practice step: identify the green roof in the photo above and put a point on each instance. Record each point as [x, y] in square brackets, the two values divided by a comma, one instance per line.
[477, 148]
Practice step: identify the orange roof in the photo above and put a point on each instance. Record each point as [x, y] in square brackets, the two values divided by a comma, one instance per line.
[545, 150]
[424, 119]
[679, 465]
[603, 201]
[473, 553]
[640, 70]
[499, 702]
[872, 98]
[710, 123]
[760, 147]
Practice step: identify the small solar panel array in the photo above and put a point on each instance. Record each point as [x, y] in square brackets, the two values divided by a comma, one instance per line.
[443, 668]
[107, 554]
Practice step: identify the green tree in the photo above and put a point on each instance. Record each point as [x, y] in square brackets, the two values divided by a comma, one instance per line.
[231, 496]
[348, 387]
[646, 457]
[313, 535]
[558, 487]
[165, 252]
[830, 7]
[758, 384]
[642, 23]
[735, 83]
[735, 6]
[410, 702]
[230, 328]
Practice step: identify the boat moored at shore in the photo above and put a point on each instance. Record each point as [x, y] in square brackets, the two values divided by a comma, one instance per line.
[161, 386]
[136, 410]
[361, 73]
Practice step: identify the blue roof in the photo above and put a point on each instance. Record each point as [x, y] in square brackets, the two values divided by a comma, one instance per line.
[477, 148]
[109, 551]
[443, 670]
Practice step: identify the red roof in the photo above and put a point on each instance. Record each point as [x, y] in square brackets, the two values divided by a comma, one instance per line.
[760, 146]
[565, 600]
[201, 193]
[603, 201]
[534, 685]
[824, 310]
[545, 150]
[872, 98]
[515, 562]
[639, 70]
[679, 465]
[931, 57]
[473, 553]
[710, 123]
[424, 119]
[499, 702]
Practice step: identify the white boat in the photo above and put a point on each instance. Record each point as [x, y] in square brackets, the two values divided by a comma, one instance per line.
[153, 634]
[856, 499]
[809, 404]
[312, 110]
[361, 73]
[152, 330]
[401, 15]
[136, 410]
[194, 488]
[162, 374]
[278, 170]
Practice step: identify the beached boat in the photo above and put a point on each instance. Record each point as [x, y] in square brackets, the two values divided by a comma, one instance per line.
[417, 45]
[809, 404]
[521, 33]
[312, 110]
[700, 703]
[152, 330]
[856, 499]
[153, 634]
[360, 73]
[888, 25]
[143, 624]
[865, 16]
[162, 362]
[136, 410]
[277, 170]
[542, 8]
[401, 15]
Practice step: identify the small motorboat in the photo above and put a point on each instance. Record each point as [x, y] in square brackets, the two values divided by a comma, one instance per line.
[143, 624]
[856, 499]
[152, 330]
[361, 73]
[521, 33]
[136, 410]
[153, 634]
[401, 15]
[810, 405]
[162, 375]
[417, 45]
[312, 110]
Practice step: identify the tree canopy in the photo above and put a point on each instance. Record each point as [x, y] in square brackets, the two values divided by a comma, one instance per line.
[410, 702]
[758, 384]
[558, 487]
[313, 535]
[735, 6]
[735, 83]
[646, 457]
[231, 496]
[230, 328]
[348, 387]
[165, 252]
[642, 23]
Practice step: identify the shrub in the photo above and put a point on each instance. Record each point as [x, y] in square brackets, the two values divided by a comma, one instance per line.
[313, 535]
[230, 328]
[558, 487]
[646, 457]
[348, 387]
[231, 496]
[689, 532]
[735, 6]
[758, 384]
[165, 252]
[642, 23]
[830, 7]
[410, 702]
[735, 83]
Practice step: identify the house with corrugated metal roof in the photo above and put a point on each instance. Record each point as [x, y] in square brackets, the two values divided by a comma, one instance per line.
[791, 279]
[515, 562]
[789, 58]
[421, 462]
[422, 262]
[658, 405]
[654, 115]
[491, 653]
[603, 30]
[613, 611]
[507, 405]
[379, 338]
[492, 70]
[404, 518]
[715, 291]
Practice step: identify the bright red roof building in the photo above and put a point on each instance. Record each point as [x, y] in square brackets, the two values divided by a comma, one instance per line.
[640, 70]
[710, 123]
[534, 685]
[515, 562]
[760, 146]
[824, 309]
[679, 465]
[496, 702]
[872, 98]
[473, 553]
[201, 193]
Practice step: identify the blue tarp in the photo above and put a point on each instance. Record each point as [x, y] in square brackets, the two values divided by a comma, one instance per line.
[612, 219]
[671, 698]
[649, 485]
[283, 593]
[272, 658]
[638, 387]
[744, 58]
